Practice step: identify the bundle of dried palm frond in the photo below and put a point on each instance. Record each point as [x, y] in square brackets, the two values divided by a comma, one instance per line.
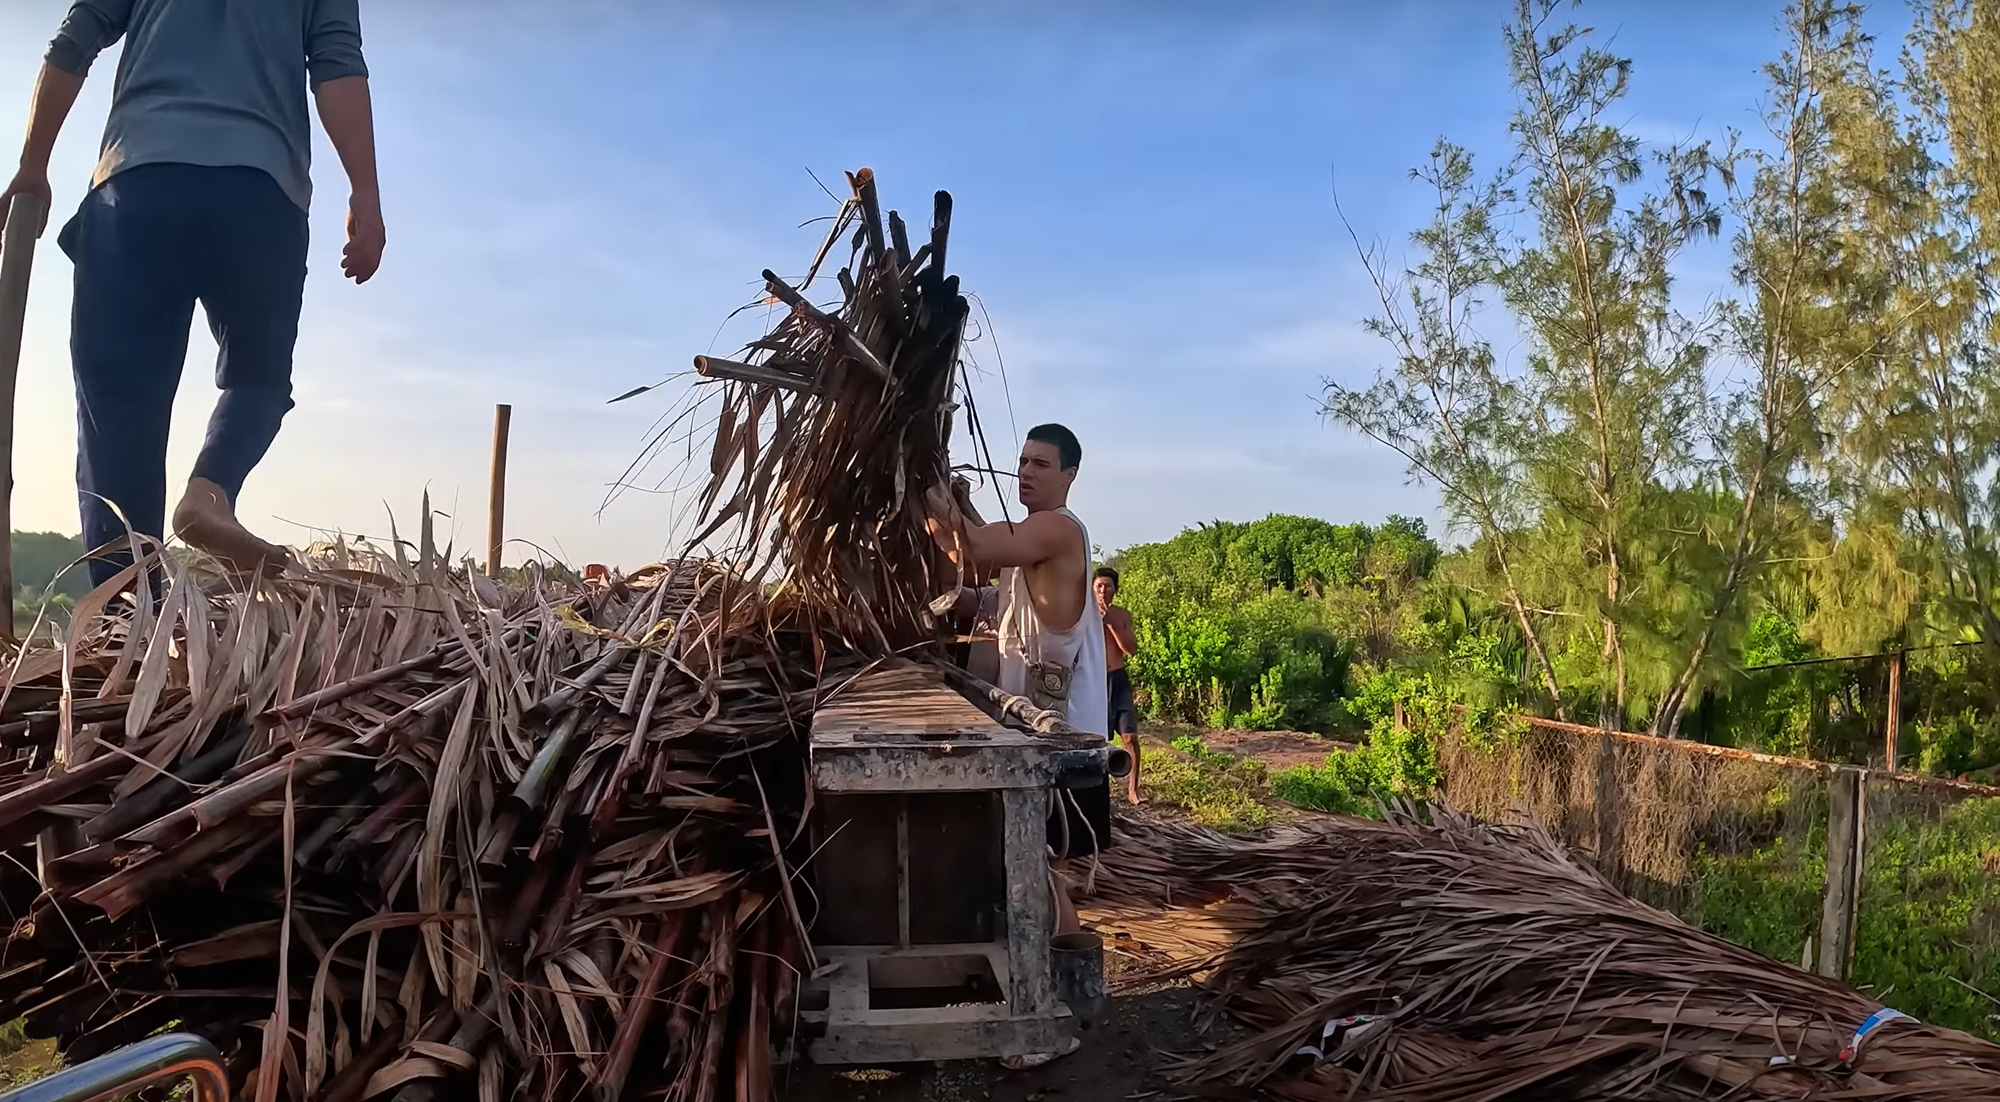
[1456, 962]
[833, 425]
[837, 423]
[382, 825]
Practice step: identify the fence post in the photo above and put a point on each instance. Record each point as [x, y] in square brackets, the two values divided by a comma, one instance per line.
[1894, 726]
[1847, 792]
[1604, 812]
[496, 490]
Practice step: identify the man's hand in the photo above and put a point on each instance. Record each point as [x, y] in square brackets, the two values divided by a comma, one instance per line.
[365, 239]
[33, 183]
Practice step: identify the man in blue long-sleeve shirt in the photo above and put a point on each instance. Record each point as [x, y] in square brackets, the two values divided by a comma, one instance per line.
[200, 196]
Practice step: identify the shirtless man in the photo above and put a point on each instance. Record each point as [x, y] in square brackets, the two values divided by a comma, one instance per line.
[1050, 635]
[1048, 624]
[1120, 643]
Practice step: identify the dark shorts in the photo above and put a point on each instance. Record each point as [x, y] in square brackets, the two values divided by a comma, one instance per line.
[1086, 820]
[1124, 717]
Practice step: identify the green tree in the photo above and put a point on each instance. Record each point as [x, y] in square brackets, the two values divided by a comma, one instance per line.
[1615, 376]
[1559, 471]
[1443, 405]
[1790, 328]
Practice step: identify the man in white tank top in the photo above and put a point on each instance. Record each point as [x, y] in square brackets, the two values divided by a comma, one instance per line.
[1051, 641]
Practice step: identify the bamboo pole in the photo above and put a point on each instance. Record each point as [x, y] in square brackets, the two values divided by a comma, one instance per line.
[17, 258]
[715, 367]
[496, 498]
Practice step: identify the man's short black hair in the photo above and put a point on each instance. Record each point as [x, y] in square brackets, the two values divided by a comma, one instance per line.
[1064, 441]
[1106, 572]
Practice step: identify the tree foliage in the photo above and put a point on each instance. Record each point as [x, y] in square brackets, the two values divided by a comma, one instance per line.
[1662, 499]
[1657, 483]
[43, 578]
[1257, 625]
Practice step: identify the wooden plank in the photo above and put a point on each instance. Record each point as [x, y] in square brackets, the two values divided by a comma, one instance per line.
[847, 988]
[1846, 811]
[880, 1037]
[901, 701]
[949, 767]
[903, 871]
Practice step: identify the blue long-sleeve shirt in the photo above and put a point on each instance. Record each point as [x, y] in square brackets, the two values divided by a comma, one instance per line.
[214, 82]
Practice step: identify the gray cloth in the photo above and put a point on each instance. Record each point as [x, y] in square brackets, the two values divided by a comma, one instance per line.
[214, 82]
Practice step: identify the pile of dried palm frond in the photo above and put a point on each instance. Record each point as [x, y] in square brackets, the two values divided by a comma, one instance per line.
[1402, 962]
[527, 838]
[380, 826]
[834, 424]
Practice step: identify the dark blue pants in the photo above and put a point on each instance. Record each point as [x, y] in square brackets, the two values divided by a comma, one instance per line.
[148, 244]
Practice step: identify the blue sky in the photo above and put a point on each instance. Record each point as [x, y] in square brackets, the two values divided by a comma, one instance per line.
[578, 194]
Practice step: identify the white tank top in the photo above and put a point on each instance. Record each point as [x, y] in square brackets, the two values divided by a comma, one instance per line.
[1081, 648]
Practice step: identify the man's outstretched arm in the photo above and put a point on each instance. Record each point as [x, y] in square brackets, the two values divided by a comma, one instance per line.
[1036, 538]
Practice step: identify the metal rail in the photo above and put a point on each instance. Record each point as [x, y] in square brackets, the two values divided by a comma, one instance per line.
[124, 1071]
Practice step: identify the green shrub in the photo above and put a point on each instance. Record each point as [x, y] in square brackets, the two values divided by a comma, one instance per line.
[1767, 900]
[1257, 625]
[1215, 789]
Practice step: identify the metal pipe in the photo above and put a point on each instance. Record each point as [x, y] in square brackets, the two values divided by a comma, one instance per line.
[1085, 768]
[125, 1071]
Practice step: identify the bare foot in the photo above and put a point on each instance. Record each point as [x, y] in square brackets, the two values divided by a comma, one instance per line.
[206, 521]
[1133, 796]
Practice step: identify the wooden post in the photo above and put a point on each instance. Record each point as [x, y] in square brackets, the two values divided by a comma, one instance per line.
[1847, 798]
[17, 258]
[1604, 812]
[496, 498]
[1031, 908]
[1893, 726]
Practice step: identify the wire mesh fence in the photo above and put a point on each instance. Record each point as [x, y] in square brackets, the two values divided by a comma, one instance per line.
[1928, 917]
[1737, 843]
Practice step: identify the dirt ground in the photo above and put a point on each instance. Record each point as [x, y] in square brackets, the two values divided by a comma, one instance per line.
[1121, 1059]
[1276, 749]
